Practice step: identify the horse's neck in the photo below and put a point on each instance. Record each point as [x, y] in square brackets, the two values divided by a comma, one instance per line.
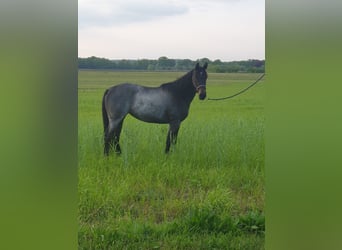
[185, 87]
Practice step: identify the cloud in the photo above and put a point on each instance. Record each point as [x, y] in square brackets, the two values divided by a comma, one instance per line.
[227, 30]
[102, 13]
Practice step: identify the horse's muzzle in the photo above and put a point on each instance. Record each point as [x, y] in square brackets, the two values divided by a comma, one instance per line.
[202, 94]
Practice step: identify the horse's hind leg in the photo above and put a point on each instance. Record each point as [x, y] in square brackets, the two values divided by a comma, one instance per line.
[112, 136]
[106, 143]
[117, 132]
[108, 140]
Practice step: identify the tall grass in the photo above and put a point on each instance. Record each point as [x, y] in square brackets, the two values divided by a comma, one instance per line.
[208, 193]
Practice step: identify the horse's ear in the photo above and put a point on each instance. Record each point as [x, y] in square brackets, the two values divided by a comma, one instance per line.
[205, 66]
[197, 66]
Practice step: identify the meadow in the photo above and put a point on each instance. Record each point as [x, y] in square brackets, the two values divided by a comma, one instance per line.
[208, 193]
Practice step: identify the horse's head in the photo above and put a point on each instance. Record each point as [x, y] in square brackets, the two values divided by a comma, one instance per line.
[199, 79]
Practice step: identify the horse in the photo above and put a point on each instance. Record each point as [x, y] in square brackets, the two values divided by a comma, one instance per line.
[167, 104]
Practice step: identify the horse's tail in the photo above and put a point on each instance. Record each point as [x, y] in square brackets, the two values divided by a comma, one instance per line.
[104, 112]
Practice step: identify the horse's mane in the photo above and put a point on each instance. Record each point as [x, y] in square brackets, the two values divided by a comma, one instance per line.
[180, 83]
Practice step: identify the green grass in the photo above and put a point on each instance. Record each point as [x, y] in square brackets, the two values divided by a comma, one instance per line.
[207, 194]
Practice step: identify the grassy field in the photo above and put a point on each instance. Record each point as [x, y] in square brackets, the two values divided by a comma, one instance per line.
[207, 194]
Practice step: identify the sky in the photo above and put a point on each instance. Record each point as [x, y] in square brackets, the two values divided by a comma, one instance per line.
[227, 30]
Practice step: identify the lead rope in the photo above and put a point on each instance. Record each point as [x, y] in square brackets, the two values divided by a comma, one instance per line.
[223, 98]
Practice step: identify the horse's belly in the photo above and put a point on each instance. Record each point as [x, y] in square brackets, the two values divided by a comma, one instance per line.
[150, 111]
[150, 117]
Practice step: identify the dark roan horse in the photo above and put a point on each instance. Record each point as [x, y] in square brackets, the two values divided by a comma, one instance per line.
[167, 104]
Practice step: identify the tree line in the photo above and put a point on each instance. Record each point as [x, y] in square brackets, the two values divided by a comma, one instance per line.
[166, 64]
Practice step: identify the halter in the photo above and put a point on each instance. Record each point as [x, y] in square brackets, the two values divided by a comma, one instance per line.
[196, 83]
[200, 86]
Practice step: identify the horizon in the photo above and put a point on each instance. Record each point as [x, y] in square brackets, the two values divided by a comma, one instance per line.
[156, 59]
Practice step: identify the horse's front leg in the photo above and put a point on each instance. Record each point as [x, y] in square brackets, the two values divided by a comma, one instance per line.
[172, 134]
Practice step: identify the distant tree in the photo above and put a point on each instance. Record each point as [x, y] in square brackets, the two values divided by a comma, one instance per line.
[124, 64]
[217, 62]
[216, 68]
[164, 63]
[184, 64]
[151, 67]
[204, 60]
[96, 63]
[142, 64]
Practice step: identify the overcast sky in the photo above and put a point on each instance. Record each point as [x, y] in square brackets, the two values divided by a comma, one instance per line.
[135, 29]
